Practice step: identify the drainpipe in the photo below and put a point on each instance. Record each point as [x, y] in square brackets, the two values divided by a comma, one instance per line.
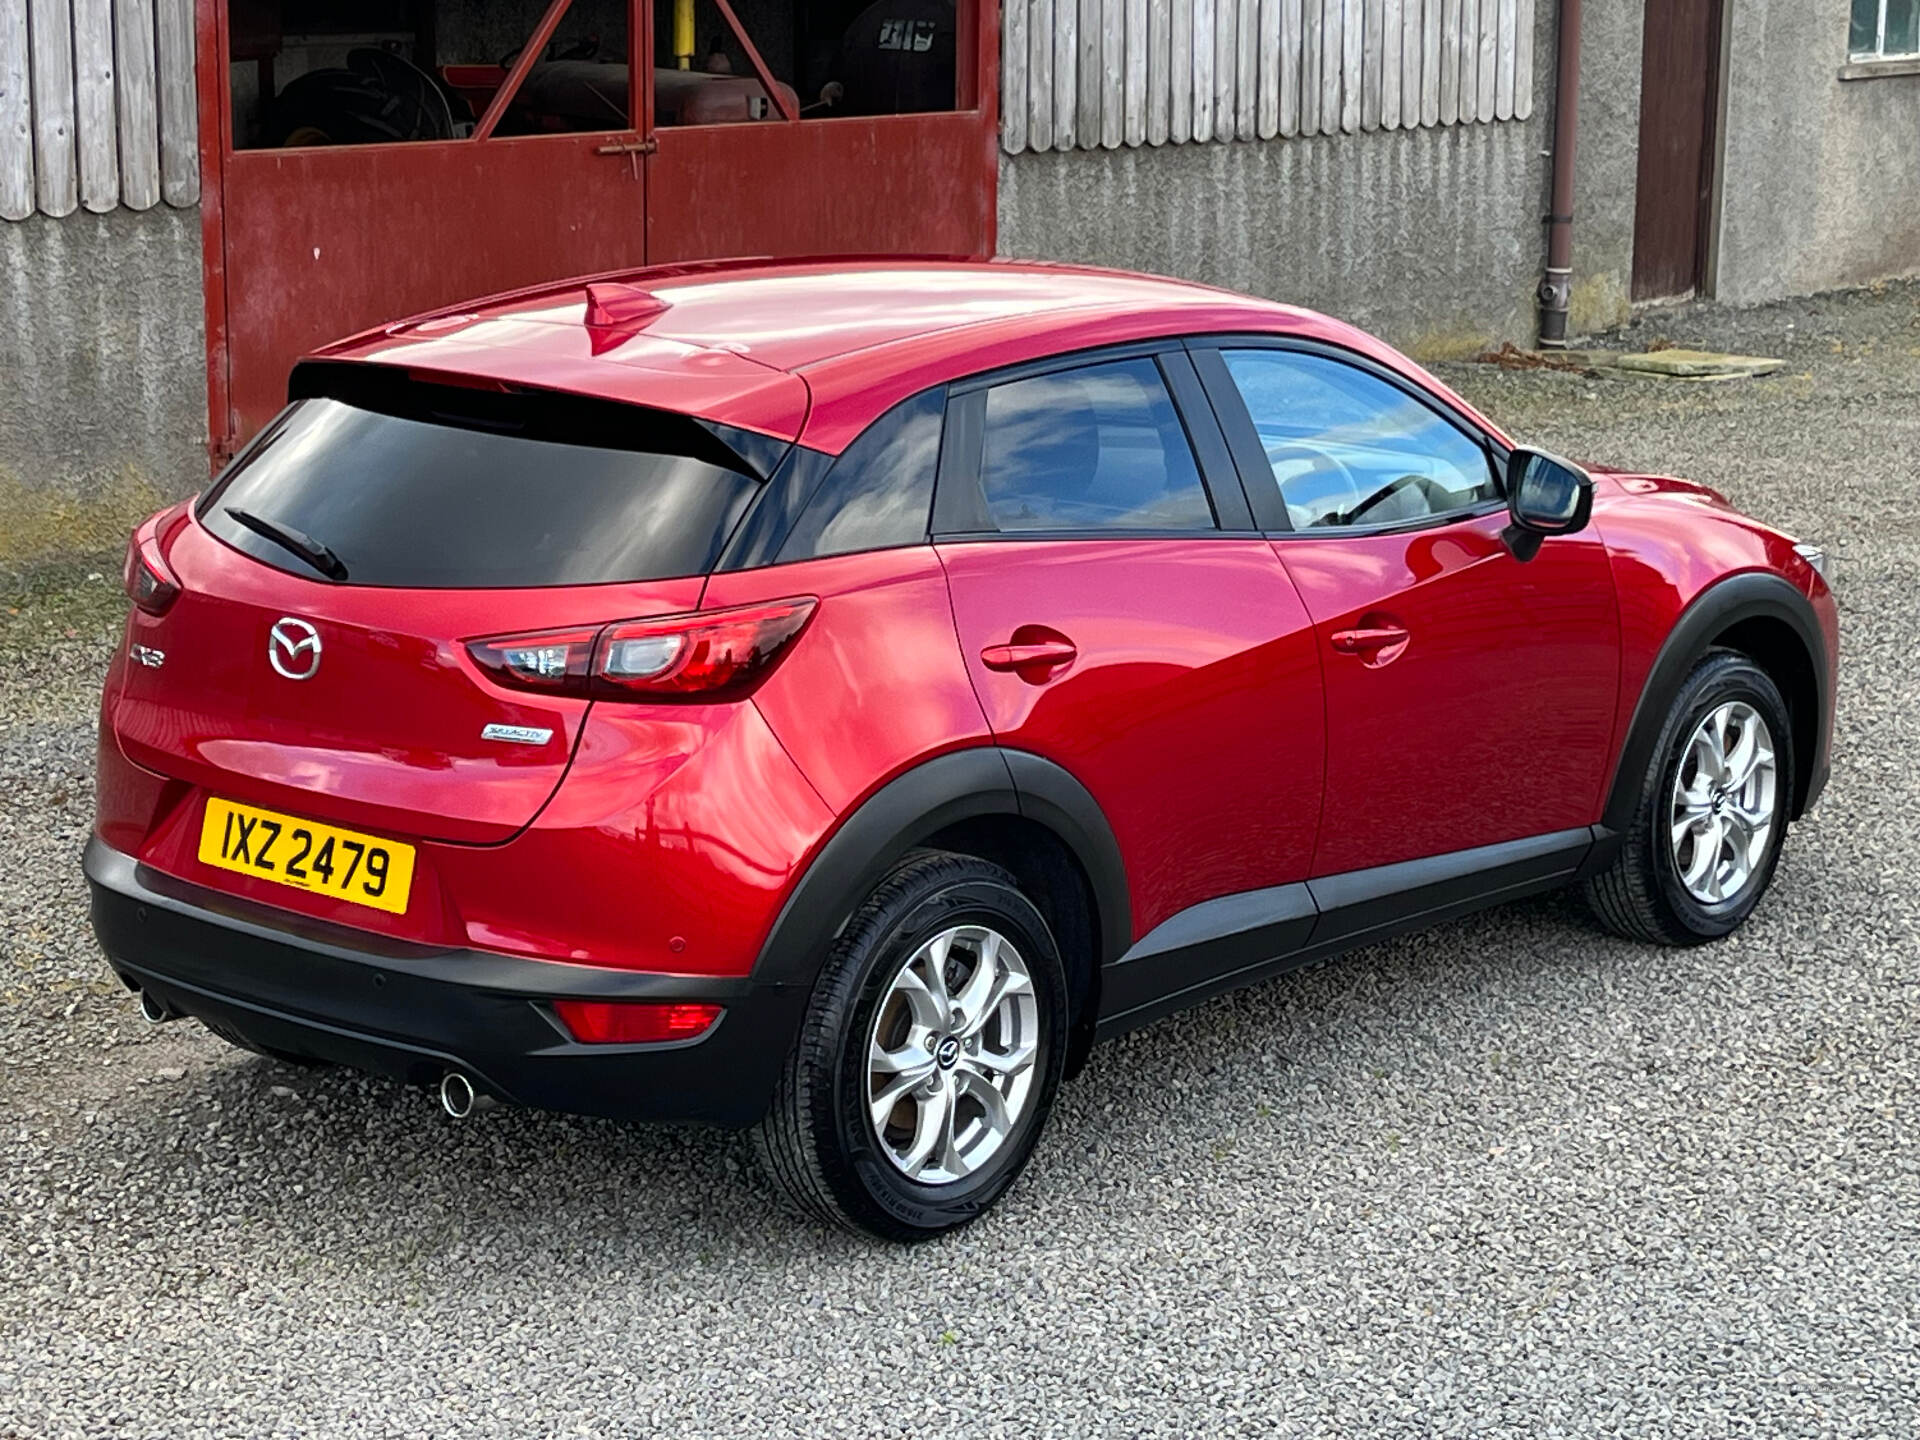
[1556, 285]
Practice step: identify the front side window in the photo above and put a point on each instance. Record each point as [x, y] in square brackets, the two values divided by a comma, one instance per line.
[1882, 28]
[1098, 448]
[1349, 449]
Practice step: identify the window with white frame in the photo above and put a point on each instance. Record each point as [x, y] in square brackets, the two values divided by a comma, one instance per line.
[1883, 28]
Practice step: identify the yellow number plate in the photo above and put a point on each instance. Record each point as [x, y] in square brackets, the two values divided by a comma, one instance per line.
[345, 864]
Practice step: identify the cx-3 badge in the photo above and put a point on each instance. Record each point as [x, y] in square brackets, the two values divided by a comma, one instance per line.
[293, 648]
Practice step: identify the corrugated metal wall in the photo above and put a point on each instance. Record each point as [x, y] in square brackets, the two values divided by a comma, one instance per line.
[1105, 73]
[97, 106]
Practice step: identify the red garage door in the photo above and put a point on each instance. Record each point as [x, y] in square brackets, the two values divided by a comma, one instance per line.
[367, 159]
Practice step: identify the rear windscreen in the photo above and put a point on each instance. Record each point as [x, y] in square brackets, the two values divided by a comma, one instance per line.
[496, 492]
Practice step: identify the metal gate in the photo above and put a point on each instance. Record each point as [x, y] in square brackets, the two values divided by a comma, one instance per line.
[306, 243]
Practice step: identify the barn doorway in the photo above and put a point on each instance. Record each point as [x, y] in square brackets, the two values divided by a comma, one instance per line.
[1679, 123]
[368, 159]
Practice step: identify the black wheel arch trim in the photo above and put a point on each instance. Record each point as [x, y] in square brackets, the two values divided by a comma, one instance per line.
[1752, 595]
[960, 785]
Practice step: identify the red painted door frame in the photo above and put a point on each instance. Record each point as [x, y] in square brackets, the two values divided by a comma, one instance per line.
[887, 184]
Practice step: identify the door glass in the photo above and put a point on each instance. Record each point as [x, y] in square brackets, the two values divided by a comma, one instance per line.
[360, 72]
[1349, 449]
[1098, 448]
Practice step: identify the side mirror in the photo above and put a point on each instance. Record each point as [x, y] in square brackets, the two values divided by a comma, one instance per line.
[1545, 496]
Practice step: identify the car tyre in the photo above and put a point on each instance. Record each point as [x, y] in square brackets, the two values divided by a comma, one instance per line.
[1712, 814]
[883, 1069]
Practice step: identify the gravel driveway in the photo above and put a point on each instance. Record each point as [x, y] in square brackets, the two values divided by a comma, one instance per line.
[1512, 1177]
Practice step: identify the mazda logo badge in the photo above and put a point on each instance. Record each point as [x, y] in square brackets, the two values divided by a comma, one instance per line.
[293, 648]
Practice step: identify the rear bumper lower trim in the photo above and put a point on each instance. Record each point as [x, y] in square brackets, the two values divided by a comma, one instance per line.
[330, 993]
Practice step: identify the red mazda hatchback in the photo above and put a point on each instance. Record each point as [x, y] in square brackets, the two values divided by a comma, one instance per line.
[826, 698]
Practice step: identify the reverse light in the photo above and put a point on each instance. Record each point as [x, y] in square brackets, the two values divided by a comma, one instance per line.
[709, 656]
[148, 581]
[626, 1022]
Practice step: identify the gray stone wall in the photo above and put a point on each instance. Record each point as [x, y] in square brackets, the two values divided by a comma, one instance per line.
[103, 401]
[1431, 237]
[1820, 181]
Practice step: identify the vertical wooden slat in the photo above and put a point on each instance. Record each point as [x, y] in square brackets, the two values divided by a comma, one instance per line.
[139, 104]
[1013, 76]
[1352, 56]
[1489, 57]
[16, 115]
[1469, 60]
[1449, 61]
[1311, 14]
[1225, 66]
[179, 105]
[1269, 125]
[1180, 73]
[1289, 67]
[1409, 63]
[1246, 71]
[50, 37]
[93, 125]
[1390, 41]
[1372, 58]
[1332, 39]
[1203, 68]
[1432, 60]
[1113, 72]
[1135, 82]
[1523, 62]
[1159, 95]
[1088, 118]
[1066, 72]
[1039, 74]
[1503, 81]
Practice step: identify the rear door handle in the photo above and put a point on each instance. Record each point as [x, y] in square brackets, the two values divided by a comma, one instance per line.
[1365, 642]
[1040, 655]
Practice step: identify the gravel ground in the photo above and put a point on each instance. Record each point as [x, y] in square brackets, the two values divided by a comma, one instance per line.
[1512, 1177]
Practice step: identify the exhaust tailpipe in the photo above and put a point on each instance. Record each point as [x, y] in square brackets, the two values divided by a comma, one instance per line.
[154, 1011]
[458, 1097]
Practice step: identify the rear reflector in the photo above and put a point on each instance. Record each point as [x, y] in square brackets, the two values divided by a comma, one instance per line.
[709, 656]
[616, 1022]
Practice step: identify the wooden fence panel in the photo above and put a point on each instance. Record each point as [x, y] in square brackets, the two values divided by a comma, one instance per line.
[16, 115]
[1075, 74]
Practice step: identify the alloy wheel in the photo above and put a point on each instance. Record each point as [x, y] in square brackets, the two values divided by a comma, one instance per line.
[950, 1060]
[1722, 813]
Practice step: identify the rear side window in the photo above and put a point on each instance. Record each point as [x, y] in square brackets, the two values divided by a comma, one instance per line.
[1098, 448]
[879, 493]
[419, 502]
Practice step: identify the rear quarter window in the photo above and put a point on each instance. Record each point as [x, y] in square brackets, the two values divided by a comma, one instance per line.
[554, 493]
[879, 493]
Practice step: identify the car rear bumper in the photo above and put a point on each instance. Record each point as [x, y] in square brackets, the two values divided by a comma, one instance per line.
[287, 983]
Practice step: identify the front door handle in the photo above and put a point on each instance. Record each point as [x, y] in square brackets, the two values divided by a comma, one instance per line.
[1377, 644]
[1363, 642]
[1040, 655]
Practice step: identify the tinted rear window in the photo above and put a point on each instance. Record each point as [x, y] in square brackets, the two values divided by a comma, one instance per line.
[421, 503]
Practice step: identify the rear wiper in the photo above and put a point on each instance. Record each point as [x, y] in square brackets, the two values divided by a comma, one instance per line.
[288, 538]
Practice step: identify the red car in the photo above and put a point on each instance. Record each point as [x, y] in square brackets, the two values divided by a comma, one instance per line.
[827, 697]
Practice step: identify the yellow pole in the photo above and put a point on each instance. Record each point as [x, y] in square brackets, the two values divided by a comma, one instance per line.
[683, 34]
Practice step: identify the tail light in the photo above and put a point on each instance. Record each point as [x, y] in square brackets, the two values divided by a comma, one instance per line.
[715, 655]
[626, 1022]
[149, 582]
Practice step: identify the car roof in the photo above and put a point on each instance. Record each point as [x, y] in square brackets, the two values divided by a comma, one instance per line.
[815, 350]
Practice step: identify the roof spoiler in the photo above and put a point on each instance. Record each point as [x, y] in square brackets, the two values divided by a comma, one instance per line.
[500, 407]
